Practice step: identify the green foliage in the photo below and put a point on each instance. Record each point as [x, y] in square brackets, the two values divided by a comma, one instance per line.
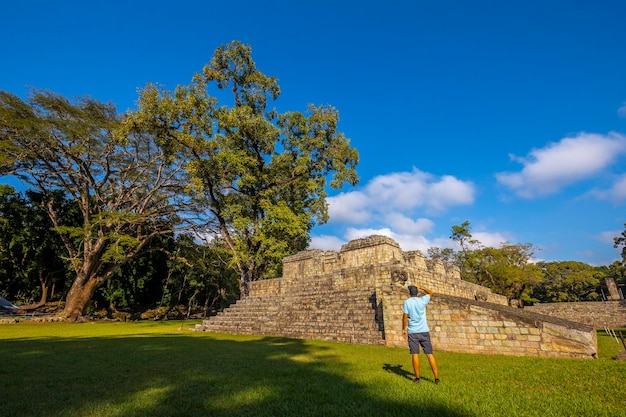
[174, 273]
[261, 174]
[200, 275]
[128, 187]
[510, 270]
[506, 270]
[138, 283]
[568, 281]
[620, 242]
[31, 266]
[446, 255]
[463, 237]
[466, 258]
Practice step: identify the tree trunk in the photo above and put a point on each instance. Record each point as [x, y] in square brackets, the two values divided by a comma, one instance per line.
[43, 282]
[79, 296]
[189, 304]
[244, 287]
[248, 272]
[44, 289]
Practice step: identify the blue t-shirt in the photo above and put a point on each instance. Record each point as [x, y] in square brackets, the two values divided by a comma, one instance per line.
[415, 307]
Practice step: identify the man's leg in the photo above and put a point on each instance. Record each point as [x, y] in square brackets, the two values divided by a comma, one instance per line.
[415, 358]
[433, 364]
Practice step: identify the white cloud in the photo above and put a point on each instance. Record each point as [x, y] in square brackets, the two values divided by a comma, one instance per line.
[616, 194]
[417, 189]
[450, 192]
[352, 207]
[608, 236]
[392, 205]
[356, 233]
[560, 164]
[326, 242]
[492, 240]
[400, 192]
[407, 242]
[404, 224]
[389, 205]
[412, 242]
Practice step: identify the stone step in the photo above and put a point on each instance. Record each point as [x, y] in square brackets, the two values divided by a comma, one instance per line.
[300, 327]
[258, 313]
[302, 332]
[347, 307]
[277, 300]
[278, 310]
[302, 323]
[306, 312]
[320, 321]
[308, 292]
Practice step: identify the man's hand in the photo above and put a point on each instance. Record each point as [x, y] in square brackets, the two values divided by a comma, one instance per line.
[426, 290]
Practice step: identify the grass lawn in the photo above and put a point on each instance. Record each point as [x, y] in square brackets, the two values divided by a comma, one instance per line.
[163, 369]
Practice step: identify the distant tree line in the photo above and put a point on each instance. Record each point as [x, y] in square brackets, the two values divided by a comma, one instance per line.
[511, 270]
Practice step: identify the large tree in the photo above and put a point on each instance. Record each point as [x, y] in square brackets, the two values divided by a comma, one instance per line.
[568, 281]
[507, 269]
[261, 173]
[466, 258]
[127, 186]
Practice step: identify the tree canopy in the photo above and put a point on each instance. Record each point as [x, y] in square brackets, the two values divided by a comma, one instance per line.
[261, 174]
[506, 270]
[127, 187]
[568, 281]
[512, 270]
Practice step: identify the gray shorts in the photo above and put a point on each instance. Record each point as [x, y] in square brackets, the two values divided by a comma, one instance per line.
[420, 339]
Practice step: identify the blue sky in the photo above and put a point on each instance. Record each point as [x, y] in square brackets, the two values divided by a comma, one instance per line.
[508, 114]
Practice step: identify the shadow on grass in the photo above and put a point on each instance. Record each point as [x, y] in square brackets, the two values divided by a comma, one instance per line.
[398, 370]
[184, 375]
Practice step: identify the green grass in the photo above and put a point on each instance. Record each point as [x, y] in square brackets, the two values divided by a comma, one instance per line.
[159, 369]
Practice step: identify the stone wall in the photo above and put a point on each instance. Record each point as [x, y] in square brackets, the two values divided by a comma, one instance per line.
[599, 314]
[331, 295]
[470, 326]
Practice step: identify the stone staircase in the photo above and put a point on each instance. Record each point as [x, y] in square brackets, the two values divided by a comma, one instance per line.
[305, 312]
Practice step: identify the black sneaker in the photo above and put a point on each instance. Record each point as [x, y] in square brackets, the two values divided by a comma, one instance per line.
[437, 381]
[416, 380]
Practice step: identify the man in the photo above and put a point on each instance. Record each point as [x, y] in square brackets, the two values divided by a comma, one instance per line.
[415, 327]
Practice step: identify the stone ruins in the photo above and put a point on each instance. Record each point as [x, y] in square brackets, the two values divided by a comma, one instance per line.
[356, 295]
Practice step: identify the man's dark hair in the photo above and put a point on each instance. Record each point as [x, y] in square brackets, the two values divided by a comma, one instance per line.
[413, 290]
